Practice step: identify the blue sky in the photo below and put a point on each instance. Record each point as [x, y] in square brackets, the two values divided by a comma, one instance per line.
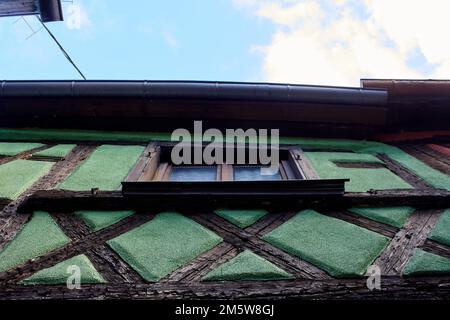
[298, 41]
[195, 39]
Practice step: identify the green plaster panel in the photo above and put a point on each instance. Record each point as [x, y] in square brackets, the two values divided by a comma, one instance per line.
[105, 169]
[247, 266]
[39, 236]
[441, 231]
[97, 220]
[14, 148]
[60, 150]
[18, 175]
[163, 244]
[425, 263]
[120, 136]
[432, 176]
[394, 216]
[338, 247]
[241, 218]
[59, 274]
[361, 179]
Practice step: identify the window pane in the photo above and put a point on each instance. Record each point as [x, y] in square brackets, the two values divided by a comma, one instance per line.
[243, 173]
[193, 173]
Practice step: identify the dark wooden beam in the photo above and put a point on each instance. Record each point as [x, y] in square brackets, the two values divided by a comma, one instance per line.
[401, 248]
[242, 239]
[430, 157]
[392, 288]
[22, 155]
[436, 248]
[203, 264]
[404, 173]
[381, 228]
[10, 222]
[68, 201]
[107, 262]
[74, 248]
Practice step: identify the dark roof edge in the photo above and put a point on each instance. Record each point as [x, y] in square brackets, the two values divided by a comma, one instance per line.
[195, 90]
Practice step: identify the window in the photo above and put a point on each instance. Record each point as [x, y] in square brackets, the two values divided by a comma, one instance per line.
[193, 173]
[156, 165]
[155, 176]
[254, 173]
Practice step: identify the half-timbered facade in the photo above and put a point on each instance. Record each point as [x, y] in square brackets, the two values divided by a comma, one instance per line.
[86, 180]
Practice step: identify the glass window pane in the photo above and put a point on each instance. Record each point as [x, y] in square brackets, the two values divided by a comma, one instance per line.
[193, 173]
[244, 173]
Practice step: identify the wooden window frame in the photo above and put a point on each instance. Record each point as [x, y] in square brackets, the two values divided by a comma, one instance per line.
[154, 165]
[150, 178]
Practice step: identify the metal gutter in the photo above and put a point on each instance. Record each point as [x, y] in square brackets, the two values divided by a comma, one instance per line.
[410, 89]
[196, 90]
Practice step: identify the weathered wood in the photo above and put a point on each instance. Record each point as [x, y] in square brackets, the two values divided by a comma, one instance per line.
[226, 171]
[404, 173]
[414, 234]
[23, 155]
[108, 263]
[74, 248]
[161, 171]
[428, 156]
[420, 198]
[44, 158]
[145, 167]
[10, 222]
[68, 201]
[299, 162]
[269, 223]
[384, 229]
[363, 165]
[436, 248]
[203, 264]
[392, 288]
[244, 240]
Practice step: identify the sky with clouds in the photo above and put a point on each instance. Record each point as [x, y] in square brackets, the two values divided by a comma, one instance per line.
[331, 42]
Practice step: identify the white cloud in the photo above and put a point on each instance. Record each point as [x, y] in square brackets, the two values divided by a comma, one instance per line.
[170, 39]
[77, 17]
[312, 45]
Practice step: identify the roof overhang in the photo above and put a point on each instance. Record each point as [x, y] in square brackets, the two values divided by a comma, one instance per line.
[49, 10]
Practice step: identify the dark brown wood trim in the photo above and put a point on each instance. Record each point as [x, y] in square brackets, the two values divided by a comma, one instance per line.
[392, 288]
[107, 262]
[381, 228]
[419, 198]
[10, 222]
[203, 264]
[269, 223]
[244, 240]
[404, 173]
[23, 155]
[428, 156]
[302, 168]
[414, 234]
[144, 166]
[68, 201]
[436, 248]
[360, 165]
[74, 248]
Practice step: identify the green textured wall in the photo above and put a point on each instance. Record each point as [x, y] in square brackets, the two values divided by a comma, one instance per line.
[105, 169]
[430, 175]
[361, 179]
[18, 175]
